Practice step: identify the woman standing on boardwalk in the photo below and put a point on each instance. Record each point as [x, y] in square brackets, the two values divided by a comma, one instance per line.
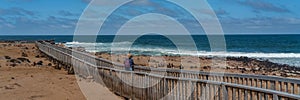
[129, 63]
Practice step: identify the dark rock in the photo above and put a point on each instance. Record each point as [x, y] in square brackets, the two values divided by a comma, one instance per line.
[7, 57]
[253, 70]
[50, 41]
[284, 75]
[206, 67]
[13, 65]
[12, 78]
[169, 66]
[181, 67]
[227, 67]
[49, 64]
[242, 71]
[37, 56]
[14, 61]
[39, 63]
[24, 54]
[24, 59]
[248, 69]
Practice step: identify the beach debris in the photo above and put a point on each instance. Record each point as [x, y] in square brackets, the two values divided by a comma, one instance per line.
[24, 54]
[49, 64]
[37, 56]
[13, 78]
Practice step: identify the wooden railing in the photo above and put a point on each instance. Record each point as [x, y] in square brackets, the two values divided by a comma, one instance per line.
[173, 83]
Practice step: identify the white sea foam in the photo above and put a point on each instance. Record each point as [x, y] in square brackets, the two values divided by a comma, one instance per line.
[123, 46]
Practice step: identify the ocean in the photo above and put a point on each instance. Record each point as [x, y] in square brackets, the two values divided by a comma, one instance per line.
[283, 49]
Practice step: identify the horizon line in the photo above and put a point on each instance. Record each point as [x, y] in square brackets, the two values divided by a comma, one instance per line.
[146, 34]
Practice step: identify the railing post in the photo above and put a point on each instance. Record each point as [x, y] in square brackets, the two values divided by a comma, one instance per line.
[275, 97]
[225, 92]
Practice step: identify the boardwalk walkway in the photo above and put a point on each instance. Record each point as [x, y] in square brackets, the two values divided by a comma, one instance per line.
[172, 84]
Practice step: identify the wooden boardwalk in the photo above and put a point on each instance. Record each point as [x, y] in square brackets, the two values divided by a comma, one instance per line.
[172, 84]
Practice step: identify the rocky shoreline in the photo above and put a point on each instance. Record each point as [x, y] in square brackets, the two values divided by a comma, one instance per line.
[266, 67]
[243, 65]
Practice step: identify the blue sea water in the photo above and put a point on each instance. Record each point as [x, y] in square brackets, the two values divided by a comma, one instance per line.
[283, 49]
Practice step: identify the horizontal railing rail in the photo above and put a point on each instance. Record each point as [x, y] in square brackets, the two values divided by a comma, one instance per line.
[267, 83]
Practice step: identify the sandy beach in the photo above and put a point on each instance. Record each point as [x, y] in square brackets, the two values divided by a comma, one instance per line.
[26, 75]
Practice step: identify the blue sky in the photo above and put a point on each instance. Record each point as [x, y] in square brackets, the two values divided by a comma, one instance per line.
[59, 17]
